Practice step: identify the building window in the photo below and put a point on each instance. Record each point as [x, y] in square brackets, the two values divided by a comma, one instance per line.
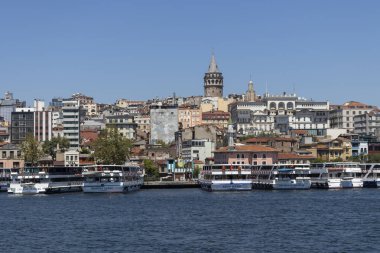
[264, 156]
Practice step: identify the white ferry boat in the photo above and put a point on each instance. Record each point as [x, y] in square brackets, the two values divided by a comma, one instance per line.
[35, 180]
[281, 176]
[6, 178]
[226, 177]
[336, 175]
[31, 180]
[372, 177]
[112, 178]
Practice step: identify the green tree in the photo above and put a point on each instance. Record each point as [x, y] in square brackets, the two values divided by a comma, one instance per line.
[50, 147]
[319, 160]
[31, 150]
[111, 147]
[151, 169]
[196, 172]
[374, 158]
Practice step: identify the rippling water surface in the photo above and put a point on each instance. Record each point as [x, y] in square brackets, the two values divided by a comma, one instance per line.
[191, 220]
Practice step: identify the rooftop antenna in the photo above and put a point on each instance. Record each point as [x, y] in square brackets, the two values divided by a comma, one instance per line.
[266, 87]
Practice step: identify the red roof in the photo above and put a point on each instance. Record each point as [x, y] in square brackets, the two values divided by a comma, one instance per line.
[292, 156]
[88, 136]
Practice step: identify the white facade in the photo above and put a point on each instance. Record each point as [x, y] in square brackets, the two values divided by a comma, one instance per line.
[368, 123]
[342, 116]
[71, 121]
[197, 150]
[280, 113]
[57, 119]
[163, 123]
[71, 158]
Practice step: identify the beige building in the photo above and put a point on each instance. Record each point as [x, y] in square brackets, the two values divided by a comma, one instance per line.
[125, 103]
[339, 149]
[218, 118]
[143, 123]
[10, 157]
[223, 104]
[189, 116]
[91, 109]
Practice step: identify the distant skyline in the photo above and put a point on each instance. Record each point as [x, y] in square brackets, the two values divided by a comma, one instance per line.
[322, 50]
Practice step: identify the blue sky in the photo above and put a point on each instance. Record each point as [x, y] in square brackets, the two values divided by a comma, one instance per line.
[324, 50]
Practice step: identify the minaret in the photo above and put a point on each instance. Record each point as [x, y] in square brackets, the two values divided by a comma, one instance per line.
[250, 96]
[213, 80]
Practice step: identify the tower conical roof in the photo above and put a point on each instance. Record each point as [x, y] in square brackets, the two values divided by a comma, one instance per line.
[213, 67]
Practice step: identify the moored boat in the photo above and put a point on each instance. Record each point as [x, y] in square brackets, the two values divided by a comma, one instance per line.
[31, 180]
[36, 180]
[281, 176]
[372, 177]
[112, 178]
[336, 175]
[6, 175]
[226, 177]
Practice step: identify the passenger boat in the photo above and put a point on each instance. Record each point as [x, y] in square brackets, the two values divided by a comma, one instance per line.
[281, 176]
[372, 177]
[6, 177]
[31, 180]
[226, 177]
[112, 178]
[336, 175]
[35, 180]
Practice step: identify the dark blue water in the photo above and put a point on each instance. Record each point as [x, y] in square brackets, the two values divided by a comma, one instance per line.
[191, 220]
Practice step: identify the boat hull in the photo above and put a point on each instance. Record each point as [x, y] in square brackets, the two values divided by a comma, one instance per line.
[292, 184]
[226, 186]
[27, 188]
[375, 183]
[110, 187]
[352, 183]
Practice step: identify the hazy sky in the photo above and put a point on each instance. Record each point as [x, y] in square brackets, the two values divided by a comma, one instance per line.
[110, 49]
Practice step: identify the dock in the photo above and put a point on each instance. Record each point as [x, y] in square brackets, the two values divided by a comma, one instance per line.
[170, 184]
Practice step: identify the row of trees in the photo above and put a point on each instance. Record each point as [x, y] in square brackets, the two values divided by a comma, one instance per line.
[109, 148]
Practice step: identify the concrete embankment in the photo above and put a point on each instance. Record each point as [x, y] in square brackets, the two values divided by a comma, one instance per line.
[170, 184]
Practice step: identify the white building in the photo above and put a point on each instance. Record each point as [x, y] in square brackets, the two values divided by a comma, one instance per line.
[197, 150]
[71, 122]
[71, 158]
[280, 113]
[342, 116]
[163, 123]
[368, 123]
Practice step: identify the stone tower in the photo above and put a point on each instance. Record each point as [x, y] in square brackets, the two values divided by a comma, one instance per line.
[213, 80]
[250, 95]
